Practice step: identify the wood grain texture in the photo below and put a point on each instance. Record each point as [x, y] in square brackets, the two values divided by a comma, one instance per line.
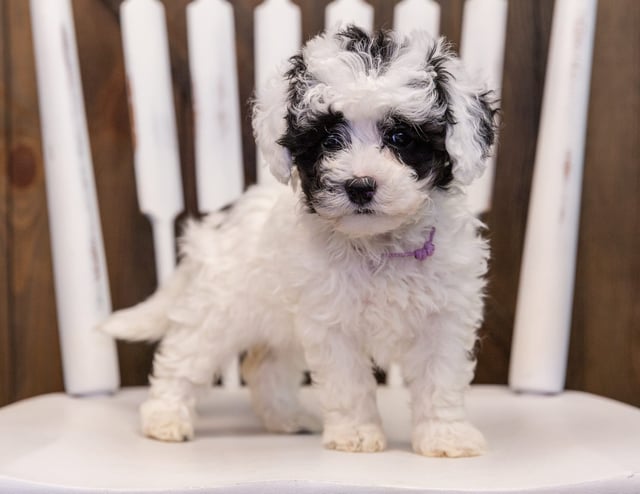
[605, 348]
[451, 20]
[127, 233]
[243, 15]
[312, 16]
[528, 29]
[36, 355]
[605, 352]
[6, 357]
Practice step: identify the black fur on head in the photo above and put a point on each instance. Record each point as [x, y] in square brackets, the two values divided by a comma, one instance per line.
[446, 138]
[376, 51]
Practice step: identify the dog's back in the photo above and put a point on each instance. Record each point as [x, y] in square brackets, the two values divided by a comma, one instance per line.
[219, 246]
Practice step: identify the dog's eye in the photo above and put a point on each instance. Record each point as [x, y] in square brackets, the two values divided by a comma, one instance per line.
[399, 138]
[333, 142]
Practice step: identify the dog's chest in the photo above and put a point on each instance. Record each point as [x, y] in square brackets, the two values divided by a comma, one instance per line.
[400, 295]
[387, 307]
[380, 303]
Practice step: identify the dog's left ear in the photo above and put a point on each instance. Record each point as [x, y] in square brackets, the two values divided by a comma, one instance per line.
[471, 135]
[269, 125]
[470, 115]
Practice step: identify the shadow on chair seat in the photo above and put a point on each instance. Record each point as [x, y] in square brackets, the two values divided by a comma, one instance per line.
[573, 442]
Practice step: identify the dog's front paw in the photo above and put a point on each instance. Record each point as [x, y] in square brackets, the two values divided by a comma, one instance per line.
[451, 439]
[166, 420]
[366, 438]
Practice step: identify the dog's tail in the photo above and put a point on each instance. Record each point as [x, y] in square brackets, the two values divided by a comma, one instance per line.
[148, 320]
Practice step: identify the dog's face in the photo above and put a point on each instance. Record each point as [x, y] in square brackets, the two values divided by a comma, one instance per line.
[370, 126]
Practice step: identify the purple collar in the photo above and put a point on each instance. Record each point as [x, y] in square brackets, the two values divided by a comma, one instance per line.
[420, 254]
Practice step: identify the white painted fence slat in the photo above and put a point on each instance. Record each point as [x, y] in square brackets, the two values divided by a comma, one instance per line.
[342, 12]
[89, 359]
[277, 37]
[545, 295]
[214, 79]
[157, 159]
[411, 15]
[218, 143]
[484, 29]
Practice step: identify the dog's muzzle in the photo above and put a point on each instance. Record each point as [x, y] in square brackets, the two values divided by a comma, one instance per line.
[361, 190]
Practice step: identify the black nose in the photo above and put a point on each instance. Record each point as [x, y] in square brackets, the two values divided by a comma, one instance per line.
[361, 189]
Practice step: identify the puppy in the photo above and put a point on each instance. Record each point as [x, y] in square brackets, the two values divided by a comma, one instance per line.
[370, 256]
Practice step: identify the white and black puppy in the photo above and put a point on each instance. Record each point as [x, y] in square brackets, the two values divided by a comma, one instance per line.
[370, 256]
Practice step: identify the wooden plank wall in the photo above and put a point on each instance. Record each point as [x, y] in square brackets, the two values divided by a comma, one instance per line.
[605, 350]
[6, 381]
[34, 357]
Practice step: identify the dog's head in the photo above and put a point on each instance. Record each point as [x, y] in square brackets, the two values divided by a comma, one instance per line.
[371, 125]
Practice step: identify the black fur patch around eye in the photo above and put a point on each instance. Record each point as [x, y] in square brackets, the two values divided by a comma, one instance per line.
[376, 51]
[308, 144]
[424, 150]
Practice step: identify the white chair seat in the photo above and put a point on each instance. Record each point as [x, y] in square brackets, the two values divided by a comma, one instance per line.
[573, 442]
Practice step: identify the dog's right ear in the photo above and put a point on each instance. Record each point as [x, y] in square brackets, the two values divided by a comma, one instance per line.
[469, 110]
[270, 124]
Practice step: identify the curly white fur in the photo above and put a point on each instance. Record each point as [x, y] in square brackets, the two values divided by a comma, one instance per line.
[316, 288]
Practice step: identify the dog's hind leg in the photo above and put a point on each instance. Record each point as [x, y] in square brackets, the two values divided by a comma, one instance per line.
[274, 377]
[185, 361]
